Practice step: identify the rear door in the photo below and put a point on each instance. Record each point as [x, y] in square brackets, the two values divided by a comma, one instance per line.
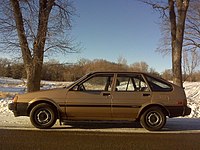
[130, 93]
[91, 98]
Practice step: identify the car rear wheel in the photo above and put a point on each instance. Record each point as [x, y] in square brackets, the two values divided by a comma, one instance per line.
[153, 119]
[43, 116]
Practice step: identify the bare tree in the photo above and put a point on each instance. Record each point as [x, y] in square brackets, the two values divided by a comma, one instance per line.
[177, 11]
[121, 60]
[140, 66]
[192, 33]
[192, 30]
[167, 75]
[191, 42]
[190, 63]
[35, 27]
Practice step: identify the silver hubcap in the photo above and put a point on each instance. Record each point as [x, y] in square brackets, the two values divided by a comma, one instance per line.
[43, 117]
[153, 119]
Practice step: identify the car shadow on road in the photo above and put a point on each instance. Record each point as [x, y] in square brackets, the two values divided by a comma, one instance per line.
[182, 124]
[99, 125]
[174, 124]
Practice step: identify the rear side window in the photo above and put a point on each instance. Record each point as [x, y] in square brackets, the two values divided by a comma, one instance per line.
[158, 85]
[130, 82]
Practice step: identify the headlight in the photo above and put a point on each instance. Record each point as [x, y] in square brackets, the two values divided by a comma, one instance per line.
[15, 99]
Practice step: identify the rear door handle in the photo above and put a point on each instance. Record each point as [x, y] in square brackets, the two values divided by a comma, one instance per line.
[146, 94]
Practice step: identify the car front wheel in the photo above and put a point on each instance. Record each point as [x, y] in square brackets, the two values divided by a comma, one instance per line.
[43, 116]
[153, 119]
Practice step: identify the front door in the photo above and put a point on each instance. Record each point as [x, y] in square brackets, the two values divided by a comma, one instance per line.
[91, 98]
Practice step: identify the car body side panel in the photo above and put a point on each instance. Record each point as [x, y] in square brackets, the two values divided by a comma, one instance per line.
[126, 105]
[88, 105]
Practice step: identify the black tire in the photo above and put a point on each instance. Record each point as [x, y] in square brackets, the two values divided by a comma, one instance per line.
[43, 116]
[153, 119]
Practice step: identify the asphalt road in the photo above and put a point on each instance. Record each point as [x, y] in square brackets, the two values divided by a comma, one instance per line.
[84, 140]
[183, 134]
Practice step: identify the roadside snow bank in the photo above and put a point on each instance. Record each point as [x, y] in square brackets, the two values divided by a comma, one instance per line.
[7, 117]
[192, 91]
[4, 106]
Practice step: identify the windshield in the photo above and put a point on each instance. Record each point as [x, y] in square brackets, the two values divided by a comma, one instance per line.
[83, 77]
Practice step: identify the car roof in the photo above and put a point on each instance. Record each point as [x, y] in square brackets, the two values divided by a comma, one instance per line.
[128, 72]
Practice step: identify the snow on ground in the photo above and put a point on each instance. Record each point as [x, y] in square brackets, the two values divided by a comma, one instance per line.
[10, 87]
[192, 91]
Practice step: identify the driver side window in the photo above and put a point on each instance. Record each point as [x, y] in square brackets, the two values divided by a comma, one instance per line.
[96, 83]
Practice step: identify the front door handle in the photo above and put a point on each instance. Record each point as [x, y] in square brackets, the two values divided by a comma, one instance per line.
[106, 94]
[146, 94]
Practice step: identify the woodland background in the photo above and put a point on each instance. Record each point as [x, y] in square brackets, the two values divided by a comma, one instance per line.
[53, 70]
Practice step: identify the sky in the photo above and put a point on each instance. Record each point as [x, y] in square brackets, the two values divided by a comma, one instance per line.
[109, 29]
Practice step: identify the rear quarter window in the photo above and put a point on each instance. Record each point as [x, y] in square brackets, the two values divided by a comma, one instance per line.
[158, 85]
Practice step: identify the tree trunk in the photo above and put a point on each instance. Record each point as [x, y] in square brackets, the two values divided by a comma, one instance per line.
[177, 33]
[177, 66]
[33, 76]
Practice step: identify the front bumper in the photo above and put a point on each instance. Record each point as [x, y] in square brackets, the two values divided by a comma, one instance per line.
[19, 109]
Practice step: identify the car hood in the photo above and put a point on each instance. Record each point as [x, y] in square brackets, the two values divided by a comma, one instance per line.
[55, 94]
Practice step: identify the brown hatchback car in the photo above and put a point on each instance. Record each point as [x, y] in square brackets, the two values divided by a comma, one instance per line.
[105, 96]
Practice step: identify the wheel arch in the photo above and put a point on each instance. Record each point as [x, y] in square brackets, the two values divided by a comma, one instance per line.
[144, 108]
[35, 102]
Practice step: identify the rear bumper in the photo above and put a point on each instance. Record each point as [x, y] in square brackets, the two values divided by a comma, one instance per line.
[186, 111]
[176, 111]
[19, 109]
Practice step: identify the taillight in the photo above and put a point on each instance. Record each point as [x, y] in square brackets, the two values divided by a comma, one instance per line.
[182, 102]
